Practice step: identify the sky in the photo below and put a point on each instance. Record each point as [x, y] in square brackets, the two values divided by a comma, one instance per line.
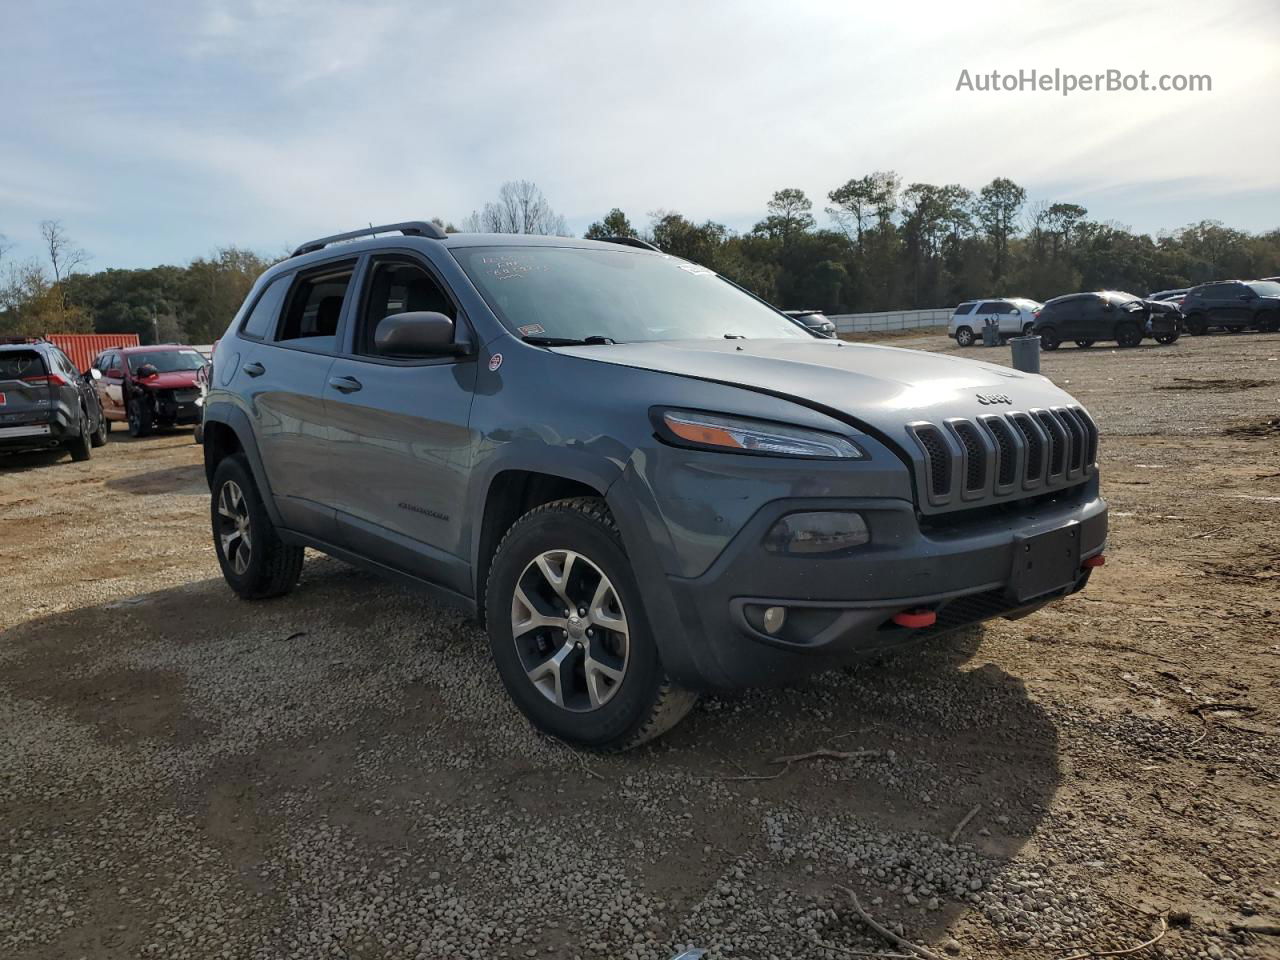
[158, 132]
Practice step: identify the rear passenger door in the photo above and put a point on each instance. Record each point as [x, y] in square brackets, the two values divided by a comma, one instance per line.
[111, 386]
[288, 340]
[988, 309]
[399, 428]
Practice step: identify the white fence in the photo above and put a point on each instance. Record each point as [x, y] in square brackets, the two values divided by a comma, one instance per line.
[894, 320]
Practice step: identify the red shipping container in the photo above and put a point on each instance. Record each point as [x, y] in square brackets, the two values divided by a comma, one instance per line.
[82, 348]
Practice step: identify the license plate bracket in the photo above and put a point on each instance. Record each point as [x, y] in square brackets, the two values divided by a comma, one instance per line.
[1045, 562]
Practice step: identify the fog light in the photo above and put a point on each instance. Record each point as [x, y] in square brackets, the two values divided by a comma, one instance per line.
[800, 534]
[774, 619]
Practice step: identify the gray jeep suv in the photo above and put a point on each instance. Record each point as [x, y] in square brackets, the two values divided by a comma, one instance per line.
[645, 481]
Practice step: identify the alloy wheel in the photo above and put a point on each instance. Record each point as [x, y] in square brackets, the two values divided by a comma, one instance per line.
[233, 527]
[570, 630]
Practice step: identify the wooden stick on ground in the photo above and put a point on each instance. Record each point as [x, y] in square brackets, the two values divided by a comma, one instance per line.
[1092, 954]
[964, 823]
[887, 933]
[826, 753]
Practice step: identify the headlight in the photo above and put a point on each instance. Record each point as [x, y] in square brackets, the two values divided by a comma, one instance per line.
[738, 435]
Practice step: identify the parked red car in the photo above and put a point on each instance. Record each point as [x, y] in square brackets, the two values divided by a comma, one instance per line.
[148, 387]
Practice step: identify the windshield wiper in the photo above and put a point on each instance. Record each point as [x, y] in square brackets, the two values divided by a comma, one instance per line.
[591, 341]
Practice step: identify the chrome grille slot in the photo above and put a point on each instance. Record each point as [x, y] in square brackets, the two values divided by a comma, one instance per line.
[1091, 436]
[1076, 434]
[1057, 442]
[1035, 439]
[939, 458]
[975, 455]
[1006, 451]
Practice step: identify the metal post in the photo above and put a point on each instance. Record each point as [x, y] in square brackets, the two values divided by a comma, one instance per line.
[1026, 353]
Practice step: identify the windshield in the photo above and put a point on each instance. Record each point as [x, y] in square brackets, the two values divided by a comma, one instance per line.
[573, 293]
[167, 361]
[1265, 288]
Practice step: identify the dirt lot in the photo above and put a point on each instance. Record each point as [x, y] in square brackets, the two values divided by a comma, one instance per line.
[337, 773]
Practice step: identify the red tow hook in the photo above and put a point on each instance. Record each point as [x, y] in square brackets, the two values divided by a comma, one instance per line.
[1094, 561]
[915, 618]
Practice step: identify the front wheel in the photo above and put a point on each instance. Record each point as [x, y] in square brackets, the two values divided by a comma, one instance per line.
[569, 634]
[1166, 338]
[1049, 339]
[140, 424]
[964, 337]
[255, 562]
[1128, 335]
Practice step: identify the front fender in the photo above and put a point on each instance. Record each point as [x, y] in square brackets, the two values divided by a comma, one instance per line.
[237, 420]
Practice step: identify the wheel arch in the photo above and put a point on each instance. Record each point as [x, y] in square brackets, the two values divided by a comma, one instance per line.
[226, 432]
[511, 493]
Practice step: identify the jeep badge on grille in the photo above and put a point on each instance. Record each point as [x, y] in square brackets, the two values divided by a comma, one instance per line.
[987, 399]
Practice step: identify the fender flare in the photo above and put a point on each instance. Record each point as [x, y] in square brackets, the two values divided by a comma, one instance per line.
[238, 421]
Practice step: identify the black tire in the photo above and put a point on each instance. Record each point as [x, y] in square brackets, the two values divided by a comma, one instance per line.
[1049, 339]
[1196, 326]
[140, 424]
[644, 704]
[964, 336]
[80, 446]
[1128, 334]
[272, 566]
[1165, 339]
[1028, 329]
[1085, 344]
[99, 436]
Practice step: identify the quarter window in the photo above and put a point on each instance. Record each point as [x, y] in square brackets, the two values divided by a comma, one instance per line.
[262, 321]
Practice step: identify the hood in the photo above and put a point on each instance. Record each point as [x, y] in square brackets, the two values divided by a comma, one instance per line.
[176, 380]
[882, 387]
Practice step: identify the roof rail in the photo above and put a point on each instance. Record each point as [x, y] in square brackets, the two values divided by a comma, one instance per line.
[410, 228]
[632, 242]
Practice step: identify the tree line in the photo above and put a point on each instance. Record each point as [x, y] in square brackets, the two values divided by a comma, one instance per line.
[882, 246]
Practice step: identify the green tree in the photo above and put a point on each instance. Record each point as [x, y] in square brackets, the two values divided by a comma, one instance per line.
[997, 209]
[614, 224]
[788, 216]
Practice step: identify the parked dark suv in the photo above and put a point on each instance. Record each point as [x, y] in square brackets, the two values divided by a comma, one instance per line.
[45, 402]
[1233, 305]
[644, 480]
[1087, 318]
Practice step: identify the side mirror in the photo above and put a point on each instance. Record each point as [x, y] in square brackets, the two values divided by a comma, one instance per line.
[95, 373]
[418, 333]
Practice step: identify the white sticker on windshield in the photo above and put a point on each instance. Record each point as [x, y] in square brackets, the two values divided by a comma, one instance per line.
[696, 270]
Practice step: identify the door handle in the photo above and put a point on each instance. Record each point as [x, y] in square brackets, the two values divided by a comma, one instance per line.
[345, 384]
[254, 369]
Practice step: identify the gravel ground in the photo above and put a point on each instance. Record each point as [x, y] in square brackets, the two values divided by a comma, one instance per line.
[338, 773]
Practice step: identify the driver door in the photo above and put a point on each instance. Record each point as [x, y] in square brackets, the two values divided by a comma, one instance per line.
[400, 430]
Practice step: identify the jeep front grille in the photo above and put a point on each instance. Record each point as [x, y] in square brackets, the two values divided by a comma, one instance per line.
[1005, 456]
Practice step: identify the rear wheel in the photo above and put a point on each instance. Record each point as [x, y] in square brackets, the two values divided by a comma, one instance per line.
[569, 634]
[80, 445]
[1196, 325]
[99, 435]
[1028, 329]
[255, 562]
[140, 424]
[1128, 334]
[1085, 344]
[964, 337]
[1049, 339]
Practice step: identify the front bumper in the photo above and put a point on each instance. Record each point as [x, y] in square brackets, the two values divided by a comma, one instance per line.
[841, 609]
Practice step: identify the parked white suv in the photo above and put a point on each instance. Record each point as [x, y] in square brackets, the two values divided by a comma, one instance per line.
[1014, 315]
